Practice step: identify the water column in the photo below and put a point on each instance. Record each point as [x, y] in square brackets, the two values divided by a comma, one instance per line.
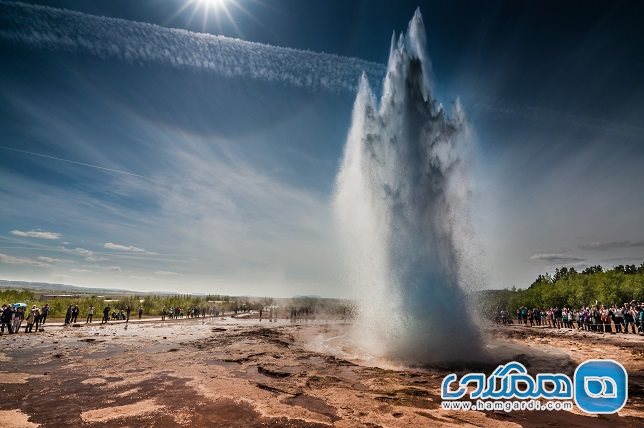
[401, 203]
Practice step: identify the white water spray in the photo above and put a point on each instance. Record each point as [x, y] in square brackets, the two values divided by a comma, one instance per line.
[401, 201]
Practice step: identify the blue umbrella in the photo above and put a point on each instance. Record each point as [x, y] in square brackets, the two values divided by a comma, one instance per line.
[18, 305]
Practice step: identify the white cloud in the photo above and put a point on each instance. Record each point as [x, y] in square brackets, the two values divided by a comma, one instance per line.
[53, 260]
[165, 272]
[119, 247]
[38, 26]
[218, 213]
[115, 268]
[611, 245]
[85, 253]
[12, 260]
[141, 277]
[80, 270]
[40, 234]
[557, 258]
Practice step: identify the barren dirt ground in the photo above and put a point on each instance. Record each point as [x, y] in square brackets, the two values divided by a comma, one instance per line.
[214, 372]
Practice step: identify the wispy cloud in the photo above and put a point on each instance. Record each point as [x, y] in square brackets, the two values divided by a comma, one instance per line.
[119, 247]
[623, 260]
[555, 116]
[83, 252]
[12, 260]
[115, 268]
[40, 234]
[76, 270]
[48, 28]
[141, 277]
[69, 161]
[165, 272]
[53, 260]
[556, 258]
[611, 245]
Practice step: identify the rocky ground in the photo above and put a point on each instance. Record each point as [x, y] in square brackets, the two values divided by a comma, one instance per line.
[214, 372]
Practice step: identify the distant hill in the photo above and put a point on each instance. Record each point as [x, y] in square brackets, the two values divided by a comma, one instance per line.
[43, 287]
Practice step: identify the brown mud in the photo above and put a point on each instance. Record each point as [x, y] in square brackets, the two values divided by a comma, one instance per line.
[242, 373]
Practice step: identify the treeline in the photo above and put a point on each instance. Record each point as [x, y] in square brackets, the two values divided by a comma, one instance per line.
[152, 304]
[571, 288]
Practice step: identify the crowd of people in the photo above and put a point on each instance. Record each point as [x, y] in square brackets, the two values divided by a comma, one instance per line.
[13, 316]
[192, 312]
[627, 318]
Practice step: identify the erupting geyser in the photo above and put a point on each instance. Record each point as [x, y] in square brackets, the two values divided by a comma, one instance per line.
[401, 201]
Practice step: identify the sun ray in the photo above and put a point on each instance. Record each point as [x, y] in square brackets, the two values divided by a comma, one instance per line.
[222, 11]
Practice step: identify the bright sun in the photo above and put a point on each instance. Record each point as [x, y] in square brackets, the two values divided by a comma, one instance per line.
[215, 11]
[216, 4]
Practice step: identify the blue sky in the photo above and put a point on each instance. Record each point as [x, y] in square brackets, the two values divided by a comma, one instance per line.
[133, 171]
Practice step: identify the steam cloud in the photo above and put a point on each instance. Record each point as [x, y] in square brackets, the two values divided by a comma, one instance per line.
[47, 28]
[401, 201]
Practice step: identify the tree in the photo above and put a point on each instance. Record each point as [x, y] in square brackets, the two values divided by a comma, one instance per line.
[569, 288]
[630, 269]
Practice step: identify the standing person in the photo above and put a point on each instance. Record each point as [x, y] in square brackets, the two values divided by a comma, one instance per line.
[140, 312]
[608, 316]
[75, 312]
[618, 319]
[90, 314]
[106, 314]
[43, 313]
[6, 318]
[628, 318]
[588, 318]
[261, 312]
[536, 314]
[596, 317]
[558, 317]
[163, 313]
[577, 317]
[18, 317]
[68, 315]
[635, 316]
[128, 309]
[37, 318]
[30, 319]
[549, 317]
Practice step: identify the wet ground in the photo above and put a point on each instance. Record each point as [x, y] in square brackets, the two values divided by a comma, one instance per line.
[213, 372]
